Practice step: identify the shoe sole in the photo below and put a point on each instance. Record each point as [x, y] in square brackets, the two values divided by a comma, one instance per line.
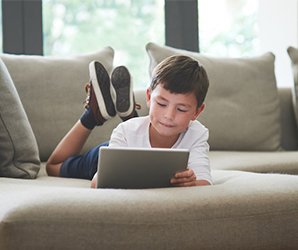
[102, 89]
[123, 91]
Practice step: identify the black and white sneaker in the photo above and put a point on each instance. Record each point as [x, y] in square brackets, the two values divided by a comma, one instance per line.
[123, 93]
[101, 85]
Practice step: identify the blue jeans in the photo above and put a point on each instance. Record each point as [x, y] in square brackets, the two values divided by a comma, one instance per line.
[82, 166]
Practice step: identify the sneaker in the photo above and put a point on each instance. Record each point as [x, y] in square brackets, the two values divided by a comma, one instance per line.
[100, 84]
[123, 93]
[99, 104]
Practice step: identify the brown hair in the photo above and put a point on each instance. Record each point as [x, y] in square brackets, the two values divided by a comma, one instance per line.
[181, 74]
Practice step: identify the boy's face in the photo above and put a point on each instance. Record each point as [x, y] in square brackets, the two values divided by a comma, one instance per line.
[171, 113]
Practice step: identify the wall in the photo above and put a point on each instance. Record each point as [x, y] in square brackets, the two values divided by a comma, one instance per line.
[278, 29]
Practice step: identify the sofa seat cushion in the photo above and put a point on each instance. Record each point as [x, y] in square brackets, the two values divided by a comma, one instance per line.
[242, 105]
[260, 162]
[240, 211]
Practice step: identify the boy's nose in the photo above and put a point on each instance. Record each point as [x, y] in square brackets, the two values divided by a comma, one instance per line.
[169, 114]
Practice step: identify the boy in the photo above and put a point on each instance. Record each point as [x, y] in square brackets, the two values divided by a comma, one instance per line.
[175, 99]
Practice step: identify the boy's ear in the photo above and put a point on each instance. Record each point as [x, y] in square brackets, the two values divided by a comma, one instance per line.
[148, 97]
[199, 111]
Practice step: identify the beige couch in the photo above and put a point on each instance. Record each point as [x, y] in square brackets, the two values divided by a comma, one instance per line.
[252, 204]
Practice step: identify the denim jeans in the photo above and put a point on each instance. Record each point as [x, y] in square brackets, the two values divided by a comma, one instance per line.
[82, 166]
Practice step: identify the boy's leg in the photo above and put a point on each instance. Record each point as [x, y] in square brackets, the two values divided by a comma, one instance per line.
[73, 142]
[82, 166]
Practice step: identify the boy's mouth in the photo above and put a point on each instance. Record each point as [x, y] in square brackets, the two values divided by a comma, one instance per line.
[166, 125]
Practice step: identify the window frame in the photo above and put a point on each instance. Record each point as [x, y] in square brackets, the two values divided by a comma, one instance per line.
[22, 26]
[182, 24]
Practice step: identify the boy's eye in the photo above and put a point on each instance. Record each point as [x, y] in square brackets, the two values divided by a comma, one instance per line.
[181, 110]
[160, 104]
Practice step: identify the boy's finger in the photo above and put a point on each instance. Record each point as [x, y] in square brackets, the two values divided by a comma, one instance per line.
[184, 180]
[187, 173]
[185, 184]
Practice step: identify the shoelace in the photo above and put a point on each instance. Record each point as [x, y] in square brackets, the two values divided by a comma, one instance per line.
[87, 90]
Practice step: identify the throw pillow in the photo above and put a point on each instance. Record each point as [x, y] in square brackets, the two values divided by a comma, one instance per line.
[18, 148]
[242, 105]
[52, 91]
[293, 53]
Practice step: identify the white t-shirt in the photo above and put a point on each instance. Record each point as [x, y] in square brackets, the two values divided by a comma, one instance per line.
[135, 133]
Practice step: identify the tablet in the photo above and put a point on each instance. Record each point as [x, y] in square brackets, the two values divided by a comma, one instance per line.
[139, 168]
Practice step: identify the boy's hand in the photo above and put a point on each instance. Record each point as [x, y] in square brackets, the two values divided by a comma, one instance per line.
[93, 182]
[184, 179]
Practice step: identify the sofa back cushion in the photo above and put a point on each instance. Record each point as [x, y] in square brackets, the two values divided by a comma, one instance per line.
[242, 105]
[293, 53]
[18, 148]
[52, 92]
[289, 140]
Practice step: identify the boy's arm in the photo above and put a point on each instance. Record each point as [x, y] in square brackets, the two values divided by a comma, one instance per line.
[202, 183]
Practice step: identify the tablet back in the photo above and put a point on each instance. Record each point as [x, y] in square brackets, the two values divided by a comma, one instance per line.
[138, 168]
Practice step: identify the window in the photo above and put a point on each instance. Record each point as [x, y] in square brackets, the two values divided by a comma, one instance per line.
[229, 28]
[72, 27]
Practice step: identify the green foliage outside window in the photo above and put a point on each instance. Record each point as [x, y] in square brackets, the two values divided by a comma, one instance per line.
[238, 38]
[75, 26]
